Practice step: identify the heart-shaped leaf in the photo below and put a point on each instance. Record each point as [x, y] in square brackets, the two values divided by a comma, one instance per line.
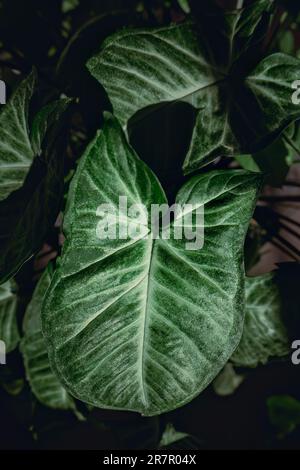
[264, 334]
[31, 176]
[145, 324]
[178, 63]
[9, 332]
[44, 383]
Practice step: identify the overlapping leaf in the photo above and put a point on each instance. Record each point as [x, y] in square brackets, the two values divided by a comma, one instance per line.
[264, 334]
[8, 322]
[16, 153]
[31, 176]
[178, 63]
[145, 324]
[44, 383]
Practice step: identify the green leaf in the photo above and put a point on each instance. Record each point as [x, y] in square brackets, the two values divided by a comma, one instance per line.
[272, 161]
[16, 153]
[13, 388]
[43, 121]
[176, 63]
[146, 324]
[227, 381]
[247, 162]
[9, 332]
[264, 334]
[44, 383]
[31, 168]
[284, 413]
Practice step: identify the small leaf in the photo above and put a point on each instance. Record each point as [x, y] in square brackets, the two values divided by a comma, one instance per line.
[264, 334]
[144, 324]
[8, 321]
[44, 383]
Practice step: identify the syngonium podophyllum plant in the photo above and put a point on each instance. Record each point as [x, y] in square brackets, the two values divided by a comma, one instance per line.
[145, 324]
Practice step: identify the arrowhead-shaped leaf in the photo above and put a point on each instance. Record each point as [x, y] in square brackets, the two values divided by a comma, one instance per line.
[9, 332]
[146, 324]
[284, 413]
[264, 334]
[31, 176]
[141, 68]
[43, 381]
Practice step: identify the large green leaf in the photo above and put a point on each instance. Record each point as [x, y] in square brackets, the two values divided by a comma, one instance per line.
[9, 332]
[44, 383]
[141, 68]
[264, 334]
[31, 176]
[146, 324]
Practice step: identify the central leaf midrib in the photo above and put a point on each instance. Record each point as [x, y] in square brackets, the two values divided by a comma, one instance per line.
[146, 323]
